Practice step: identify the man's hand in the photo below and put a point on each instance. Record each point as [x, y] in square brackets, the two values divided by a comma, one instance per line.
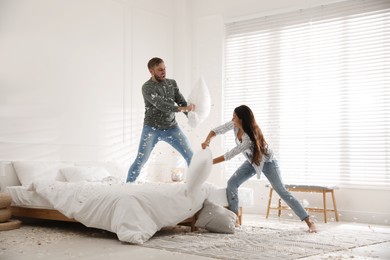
[191, 107]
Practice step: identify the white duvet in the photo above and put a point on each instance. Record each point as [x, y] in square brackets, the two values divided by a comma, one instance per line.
[135, 212]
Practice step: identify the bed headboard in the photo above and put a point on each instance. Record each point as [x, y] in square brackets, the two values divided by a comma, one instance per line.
[8, 175]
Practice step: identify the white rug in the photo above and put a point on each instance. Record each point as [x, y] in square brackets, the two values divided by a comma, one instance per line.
[268, 241]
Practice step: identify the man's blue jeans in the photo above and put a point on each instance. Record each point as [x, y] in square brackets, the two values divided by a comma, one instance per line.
[150, 136]
[272, 172]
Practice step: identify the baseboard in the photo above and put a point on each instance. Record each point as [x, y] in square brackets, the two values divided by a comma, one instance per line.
[377, 218]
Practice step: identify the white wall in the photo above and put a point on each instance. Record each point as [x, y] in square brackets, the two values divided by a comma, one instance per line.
[208, 18]
[71, 73]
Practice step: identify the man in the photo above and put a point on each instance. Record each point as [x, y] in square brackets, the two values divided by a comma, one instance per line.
[162, 100]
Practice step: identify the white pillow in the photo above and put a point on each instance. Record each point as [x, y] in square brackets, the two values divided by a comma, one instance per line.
[114, 168]
[84, 173]
[28, 172]
[199, 169]
[193, 119]
[216, 218]
[200, 97]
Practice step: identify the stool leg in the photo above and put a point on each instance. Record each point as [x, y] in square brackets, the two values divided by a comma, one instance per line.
[335, 207]
[240, 215]
[269, 202]
[324, 199]
[192, 225]
[279, 207]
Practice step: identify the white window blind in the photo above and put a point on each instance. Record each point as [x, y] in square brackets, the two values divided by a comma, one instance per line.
[318, 82]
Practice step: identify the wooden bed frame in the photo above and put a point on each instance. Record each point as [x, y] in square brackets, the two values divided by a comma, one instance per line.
[49, 214]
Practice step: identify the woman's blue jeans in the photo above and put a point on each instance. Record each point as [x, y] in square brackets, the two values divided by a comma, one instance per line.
[272, 172]
[150, 136]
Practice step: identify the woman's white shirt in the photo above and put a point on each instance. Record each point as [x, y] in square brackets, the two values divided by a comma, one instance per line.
[245, 146]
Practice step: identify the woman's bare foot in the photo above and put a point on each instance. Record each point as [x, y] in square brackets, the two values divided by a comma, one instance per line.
[311, 225]
[238, 222]
[312, 228]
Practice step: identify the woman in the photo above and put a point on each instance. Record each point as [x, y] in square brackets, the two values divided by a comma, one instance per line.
[250, 141]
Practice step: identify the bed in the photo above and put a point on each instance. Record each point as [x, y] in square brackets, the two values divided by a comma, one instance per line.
[134, 211]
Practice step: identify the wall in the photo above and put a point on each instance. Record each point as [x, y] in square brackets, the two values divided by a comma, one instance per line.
[71, 73]
[208, 17]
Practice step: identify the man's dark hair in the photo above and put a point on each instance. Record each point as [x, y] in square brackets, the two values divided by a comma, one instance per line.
[154, 62]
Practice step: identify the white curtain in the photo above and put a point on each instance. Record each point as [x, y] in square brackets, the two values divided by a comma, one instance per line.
[318, 81]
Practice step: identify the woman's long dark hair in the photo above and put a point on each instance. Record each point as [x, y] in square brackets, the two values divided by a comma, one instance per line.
[254, 132]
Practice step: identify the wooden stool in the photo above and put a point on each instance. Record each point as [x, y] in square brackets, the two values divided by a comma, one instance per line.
[6, 223]
[306, 188]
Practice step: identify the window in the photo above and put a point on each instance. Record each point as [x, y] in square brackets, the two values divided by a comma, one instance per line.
[318, 82]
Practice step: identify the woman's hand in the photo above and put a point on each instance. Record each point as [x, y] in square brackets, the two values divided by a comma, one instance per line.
[205, 144]
[208, 139]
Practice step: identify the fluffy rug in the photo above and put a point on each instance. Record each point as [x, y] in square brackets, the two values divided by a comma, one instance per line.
[267, 241]
[254, 240]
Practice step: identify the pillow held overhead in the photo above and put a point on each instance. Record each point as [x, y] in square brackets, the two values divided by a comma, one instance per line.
[199, 169]
[200, 96]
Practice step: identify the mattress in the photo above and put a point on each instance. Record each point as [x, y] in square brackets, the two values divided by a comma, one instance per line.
[23, 197]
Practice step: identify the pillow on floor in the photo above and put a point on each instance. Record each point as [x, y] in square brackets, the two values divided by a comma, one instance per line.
[199, 169]
[216, 218]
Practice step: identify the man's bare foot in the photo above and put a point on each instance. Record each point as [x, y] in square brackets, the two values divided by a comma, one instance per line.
[311, 225]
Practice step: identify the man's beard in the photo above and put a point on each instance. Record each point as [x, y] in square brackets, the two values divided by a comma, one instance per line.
[159, 79]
